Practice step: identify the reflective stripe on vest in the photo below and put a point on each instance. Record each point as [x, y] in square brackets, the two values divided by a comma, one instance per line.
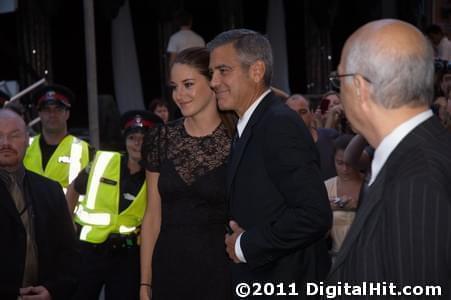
[98, 212]
[101, 163]
[76, 151]
[126, 229]
[84, 232]
[101, 219]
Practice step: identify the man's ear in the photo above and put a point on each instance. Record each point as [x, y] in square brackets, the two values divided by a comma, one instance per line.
[361, 87]
[257, 71]
[357, 85]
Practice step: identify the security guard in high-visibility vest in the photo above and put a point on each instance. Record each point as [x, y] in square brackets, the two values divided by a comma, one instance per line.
[110, 214]
[54, 153]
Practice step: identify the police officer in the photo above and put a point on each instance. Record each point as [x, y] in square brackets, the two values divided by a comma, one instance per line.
[110, 215]
[55, 153]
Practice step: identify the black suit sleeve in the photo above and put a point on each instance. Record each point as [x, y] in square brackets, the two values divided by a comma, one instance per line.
[291, 161]
[62, 257]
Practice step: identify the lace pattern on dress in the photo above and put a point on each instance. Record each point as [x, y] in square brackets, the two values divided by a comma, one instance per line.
[191, 156]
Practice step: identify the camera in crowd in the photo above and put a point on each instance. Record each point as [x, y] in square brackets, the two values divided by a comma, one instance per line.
[340, 201]
[441, 65]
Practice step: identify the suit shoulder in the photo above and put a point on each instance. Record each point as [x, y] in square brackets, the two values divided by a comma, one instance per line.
[280, 111]
[428, 158]
[41, 180]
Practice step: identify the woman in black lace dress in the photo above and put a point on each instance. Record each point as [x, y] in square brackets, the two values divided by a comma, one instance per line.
[182, 241]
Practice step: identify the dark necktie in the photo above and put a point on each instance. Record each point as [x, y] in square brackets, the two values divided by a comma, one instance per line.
[364, 188]
[16, 194]
[235, 140]
[30, 275]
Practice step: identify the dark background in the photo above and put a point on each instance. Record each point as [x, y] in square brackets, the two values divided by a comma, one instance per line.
[63, 21]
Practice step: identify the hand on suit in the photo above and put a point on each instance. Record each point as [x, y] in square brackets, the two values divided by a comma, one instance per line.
[35, 292]
[230, 240]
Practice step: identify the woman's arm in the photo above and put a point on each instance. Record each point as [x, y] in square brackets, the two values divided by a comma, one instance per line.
[71, 198]
[150, 230]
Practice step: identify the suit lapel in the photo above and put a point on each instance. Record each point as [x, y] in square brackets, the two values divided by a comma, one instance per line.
[8, 204]
[244, 139]
[372, 197]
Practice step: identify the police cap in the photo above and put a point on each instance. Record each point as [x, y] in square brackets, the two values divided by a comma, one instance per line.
[53, 94]
[138, 120]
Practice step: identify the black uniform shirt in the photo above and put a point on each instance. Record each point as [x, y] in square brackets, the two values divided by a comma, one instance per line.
[46, 151]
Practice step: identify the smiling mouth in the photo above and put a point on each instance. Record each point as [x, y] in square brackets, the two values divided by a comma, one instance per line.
[220, 93]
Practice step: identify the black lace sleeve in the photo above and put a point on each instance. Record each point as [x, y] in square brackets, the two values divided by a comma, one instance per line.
[152, 147]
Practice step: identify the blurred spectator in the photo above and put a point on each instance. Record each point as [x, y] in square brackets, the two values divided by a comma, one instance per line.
[442, 46]
[440, 109]
[322, 137]
[160, 108]
[343, 191]
[328, 101]
[185, 37]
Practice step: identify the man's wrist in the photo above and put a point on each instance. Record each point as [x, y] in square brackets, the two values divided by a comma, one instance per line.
[238, 251]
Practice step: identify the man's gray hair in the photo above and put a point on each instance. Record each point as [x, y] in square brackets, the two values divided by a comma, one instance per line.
[397, 78]
[250, 46]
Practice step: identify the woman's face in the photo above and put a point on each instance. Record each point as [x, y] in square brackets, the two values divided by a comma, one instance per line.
[162, 112]
[190, 90]
[133, 143]
[343, 169]
[334, 100]
[442, 104]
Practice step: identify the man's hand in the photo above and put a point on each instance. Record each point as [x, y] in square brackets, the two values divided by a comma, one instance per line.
[230, 240]
[35, 293]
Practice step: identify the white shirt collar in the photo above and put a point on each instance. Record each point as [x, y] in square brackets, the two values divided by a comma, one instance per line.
[242, 122]
[392, 140]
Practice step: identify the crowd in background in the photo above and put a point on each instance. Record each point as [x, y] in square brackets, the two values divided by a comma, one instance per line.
[150, 221]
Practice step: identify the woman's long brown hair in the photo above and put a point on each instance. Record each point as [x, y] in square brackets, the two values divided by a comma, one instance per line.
[199, 58]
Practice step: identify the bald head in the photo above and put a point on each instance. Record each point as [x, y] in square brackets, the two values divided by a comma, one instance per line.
[301, 105]
[397, 59]
[13, 140]
[11, 115]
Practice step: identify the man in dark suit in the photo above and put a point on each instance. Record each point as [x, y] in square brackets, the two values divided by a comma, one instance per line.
[402, 230]
[278, 204]
[38, 239]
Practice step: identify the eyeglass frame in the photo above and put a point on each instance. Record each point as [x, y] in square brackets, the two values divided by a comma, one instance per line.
[334, 76]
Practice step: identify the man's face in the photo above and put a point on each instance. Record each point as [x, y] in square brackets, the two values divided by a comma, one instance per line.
[349, 97]
[54, 118]
[435, 38]
[301, 107]
[230, 80]
[13, 141]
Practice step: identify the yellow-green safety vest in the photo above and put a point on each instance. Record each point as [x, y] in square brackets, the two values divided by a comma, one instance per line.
[69, 158]
[98, 213]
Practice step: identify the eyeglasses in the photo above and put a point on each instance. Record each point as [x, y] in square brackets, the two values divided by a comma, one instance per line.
[334, 78]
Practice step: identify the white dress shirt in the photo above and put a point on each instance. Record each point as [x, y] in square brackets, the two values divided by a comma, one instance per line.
[241, 125]
[444, 49]
[242, 122]
[392, 140]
